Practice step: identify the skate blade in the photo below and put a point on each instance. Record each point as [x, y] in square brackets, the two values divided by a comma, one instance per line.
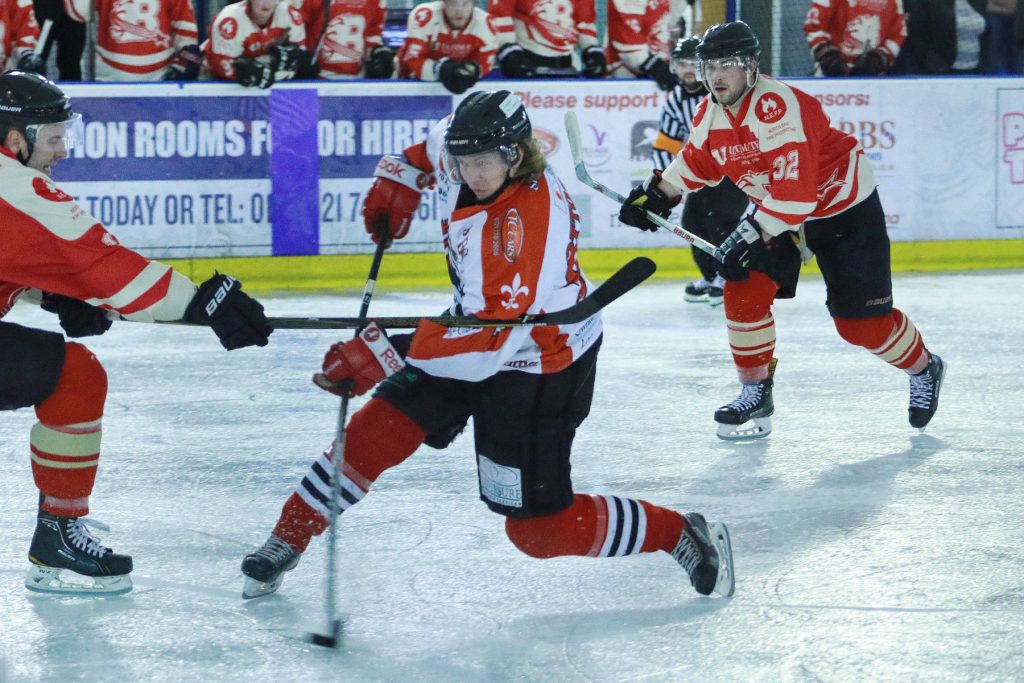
[716, 301]
[695, 298]
[725, 584]
[257, 589]
[50, 580]
[757, 428]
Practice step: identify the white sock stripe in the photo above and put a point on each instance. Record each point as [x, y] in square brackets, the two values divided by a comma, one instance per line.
[896, 334]
[741, 326]
[896, 349]
[750, 340]
[313, 502]
[627, 527]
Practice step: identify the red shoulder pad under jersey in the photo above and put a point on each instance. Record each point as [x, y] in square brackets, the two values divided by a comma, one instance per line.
[353, 29]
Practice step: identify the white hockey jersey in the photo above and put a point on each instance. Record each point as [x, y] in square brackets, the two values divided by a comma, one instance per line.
[550, 28]
[18, 31]
[234, 34]
[429, 39]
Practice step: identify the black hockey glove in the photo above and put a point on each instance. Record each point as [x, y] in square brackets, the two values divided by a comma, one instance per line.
[380, 63]
[253, 73]
[515, 62]
[871, 63]
[658, 70]
[185, 64]
[830, 59]
[742, 250]
[457, 77]
[236, 318]
[77, 318]
[30, 61]
[647, 196]
[594, 63]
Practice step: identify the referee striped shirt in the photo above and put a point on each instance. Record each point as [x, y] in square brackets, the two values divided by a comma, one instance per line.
[676, 119]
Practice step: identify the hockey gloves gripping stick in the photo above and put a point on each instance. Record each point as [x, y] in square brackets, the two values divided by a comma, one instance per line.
[393, 198]
[644, 199]
[251, 72]
[457, 77]
[830, 60]
[235, 317]
[594, 63]
[77, 318]
[359, 365]
[515, 62]
[742, 250]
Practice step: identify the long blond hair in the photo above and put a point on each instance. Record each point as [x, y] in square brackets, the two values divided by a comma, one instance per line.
[533, 163]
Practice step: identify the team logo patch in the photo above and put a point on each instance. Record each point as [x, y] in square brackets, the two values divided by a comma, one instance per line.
[770, 108]
[228, 28]
[45, 188]
[513, 292]
[548, 141]
[422, 16]
[512, 232]
[372, 333]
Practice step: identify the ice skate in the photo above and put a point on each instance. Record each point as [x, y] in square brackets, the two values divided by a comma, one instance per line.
[748, 416]
[64, 544]
[924, 392]
[697, 291]
[264, 569]
[705, 552]
[716, 292]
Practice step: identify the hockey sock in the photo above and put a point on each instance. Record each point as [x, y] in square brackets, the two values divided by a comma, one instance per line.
[597, 526]
[891, 337]
[750, 325]
[65, 442]
[378, 437]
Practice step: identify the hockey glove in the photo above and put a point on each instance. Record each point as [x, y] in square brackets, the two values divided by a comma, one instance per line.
[236, 318]
[871, 63]
[742, 250]
[830, 59]
[393, 198]
[594, 63]
[380, 63]
[647, 196]
[30, 61]
[185, 64]
[657, 69]
[356, 366]
[253, 73]
[515, 62]
[77, 318]
[457, 77]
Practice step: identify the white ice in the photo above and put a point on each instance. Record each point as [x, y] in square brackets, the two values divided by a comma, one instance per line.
[865, 551]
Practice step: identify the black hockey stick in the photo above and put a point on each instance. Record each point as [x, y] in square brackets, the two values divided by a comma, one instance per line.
[624, 279]
[572, 130]
[333, 635]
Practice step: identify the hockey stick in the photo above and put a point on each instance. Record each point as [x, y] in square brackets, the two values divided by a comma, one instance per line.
[330, 639]
[572, 129]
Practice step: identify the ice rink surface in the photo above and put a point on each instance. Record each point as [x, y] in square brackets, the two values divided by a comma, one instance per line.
[865, 551]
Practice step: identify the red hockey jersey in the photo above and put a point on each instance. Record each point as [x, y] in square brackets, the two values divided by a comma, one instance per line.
[52, 245]
[234, 34]
[136, 39]
[550, 28]
[20, 30]
[781, 150]
[856, 27]
[429, 38]
[354, 28]
[636, 29]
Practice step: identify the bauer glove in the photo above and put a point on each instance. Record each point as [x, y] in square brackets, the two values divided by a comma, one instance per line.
[742, 250]
[235, 317]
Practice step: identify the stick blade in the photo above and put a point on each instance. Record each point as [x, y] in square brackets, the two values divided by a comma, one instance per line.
[328, 640]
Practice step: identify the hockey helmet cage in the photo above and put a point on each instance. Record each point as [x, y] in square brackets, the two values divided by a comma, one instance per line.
[734, 39]
[487, 121]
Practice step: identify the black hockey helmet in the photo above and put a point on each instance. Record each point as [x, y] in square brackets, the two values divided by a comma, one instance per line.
[486, 121]
[27, 101]
[686, 48]
[734, 39]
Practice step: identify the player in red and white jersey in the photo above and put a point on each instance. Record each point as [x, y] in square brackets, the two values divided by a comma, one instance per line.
[450, 41]
[510, 234]
[352, 45]
[136, 40]
[18, 34]
[257, 43]
[637, 41]
[808, 179]
[58, 255]
[861, 38]
[536, 38]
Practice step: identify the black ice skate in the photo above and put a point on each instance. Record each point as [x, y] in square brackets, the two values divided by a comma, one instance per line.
[264, 569]
[716, 292]
[64, 543]
[705, 552]
[924, 392]
[748, 416]
[696, 291]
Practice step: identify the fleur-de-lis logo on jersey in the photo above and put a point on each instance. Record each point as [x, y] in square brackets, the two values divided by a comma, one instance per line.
[513, 292]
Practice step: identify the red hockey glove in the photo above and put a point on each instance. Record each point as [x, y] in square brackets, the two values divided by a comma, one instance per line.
[393, 197]
[357, 366]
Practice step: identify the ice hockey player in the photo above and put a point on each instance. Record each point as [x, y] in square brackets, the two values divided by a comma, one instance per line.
[57, 254]
[712, 212]
[353, 45]
[637, 35]
[19, 34]
[450, 41]
[537, 38]
[813, 186]
[510, 233]
[257, 43]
